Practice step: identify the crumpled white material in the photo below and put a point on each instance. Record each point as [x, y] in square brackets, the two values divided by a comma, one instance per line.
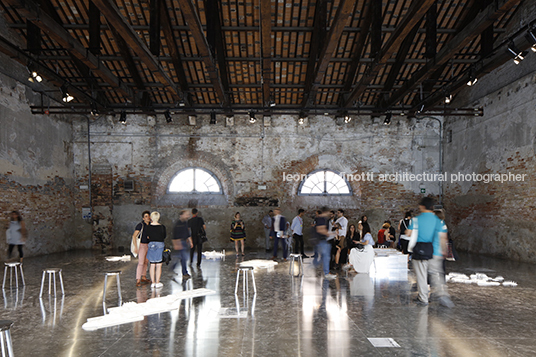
[479, 278]
[124, 258]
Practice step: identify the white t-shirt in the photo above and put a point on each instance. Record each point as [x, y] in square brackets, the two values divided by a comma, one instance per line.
[343, 222]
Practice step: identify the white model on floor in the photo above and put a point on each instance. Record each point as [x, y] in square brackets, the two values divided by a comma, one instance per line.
[131, 311]
[479, 278]
[124, 258]
[361, 260]
[214, 255]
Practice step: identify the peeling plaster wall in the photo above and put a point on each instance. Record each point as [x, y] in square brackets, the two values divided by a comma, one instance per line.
[495, 218]
[36, 174]
[245, 156]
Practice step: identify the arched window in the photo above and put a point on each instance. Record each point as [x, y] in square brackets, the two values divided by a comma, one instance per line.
[324, 182]
[195, 180]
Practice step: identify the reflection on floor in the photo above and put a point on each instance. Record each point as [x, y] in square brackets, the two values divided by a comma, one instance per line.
[289, 316]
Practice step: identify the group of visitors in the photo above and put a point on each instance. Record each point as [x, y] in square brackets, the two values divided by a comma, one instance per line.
[148, 243]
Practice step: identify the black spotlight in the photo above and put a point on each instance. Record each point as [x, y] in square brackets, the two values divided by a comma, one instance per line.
[123, 117]
[212, 118]
[65, 96]
[516, 54]
[168, 117]
[387, 120]
[94, 109]
[531, 37]
[252, 118]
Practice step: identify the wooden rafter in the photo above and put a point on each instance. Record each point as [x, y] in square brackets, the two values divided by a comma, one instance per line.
[330, 44]
[266, 50]
[401, 55]
[123, 27]
[194, 23]
[31, 11]
[175, 54]
[359, 47]
[216, 40]
[154, 26]
[413, 16]
[482, 21]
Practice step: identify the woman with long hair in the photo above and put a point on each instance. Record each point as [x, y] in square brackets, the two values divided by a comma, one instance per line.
[238, 232]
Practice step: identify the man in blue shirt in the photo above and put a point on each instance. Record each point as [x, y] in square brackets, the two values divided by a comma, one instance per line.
[431, 232]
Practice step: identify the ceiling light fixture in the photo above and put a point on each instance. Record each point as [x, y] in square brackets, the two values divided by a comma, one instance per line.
[94, 109]
[302, 117]
[472, 78]
[123, 117]
[168, 117]
[531, 37]
[387, 120]
[252, 118]
[347, 118]
[448, 99]
[212, 118]
[516, 54]
[35, 77]
[65, 96]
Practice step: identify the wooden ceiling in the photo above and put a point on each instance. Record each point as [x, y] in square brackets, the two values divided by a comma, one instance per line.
[263, 55]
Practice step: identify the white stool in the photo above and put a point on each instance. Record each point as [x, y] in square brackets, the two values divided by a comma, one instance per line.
[51, 272]
[244, 270]
[115, 273]
[293, 258]
[5, 337]
[12, 266]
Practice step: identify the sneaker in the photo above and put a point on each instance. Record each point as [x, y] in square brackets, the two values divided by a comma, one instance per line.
[144, 280]
[158, 285]
[330, 276]
[186, 276]
[153, 286]
[445, 301]
[419, 302]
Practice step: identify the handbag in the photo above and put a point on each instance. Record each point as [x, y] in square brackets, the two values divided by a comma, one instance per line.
[203, 236]
[423, 251]
[166, 256]
[137, 244]
[360, 246]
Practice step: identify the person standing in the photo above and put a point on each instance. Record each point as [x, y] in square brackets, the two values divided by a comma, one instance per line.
[279, 225]
[428, 247]
[156, 233]
[404, 238]
[16, 234]
[324, 246]
[297, 233]
[343, 223]
[198, 229]
[238, 232]
[267, 223]
[141, 250]
[182, 242]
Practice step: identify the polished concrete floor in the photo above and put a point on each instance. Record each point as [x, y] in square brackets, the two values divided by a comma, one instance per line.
[289, 316]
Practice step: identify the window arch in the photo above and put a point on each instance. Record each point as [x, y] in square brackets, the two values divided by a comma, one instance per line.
[324, 182]
[195, 180]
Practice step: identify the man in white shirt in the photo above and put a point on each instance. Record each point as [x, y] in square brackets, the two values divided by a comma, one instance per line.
[297, 232]
[343, 223]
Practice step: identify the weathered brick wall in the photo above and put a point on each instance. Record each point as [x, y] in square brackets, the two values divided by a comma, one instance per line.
[36, 174]
[495, 218]
[246, 156]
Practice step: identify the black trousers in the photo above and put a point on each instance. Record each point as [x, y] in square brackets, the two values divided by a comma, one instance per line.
[10, 250]
[298, 246]
[198, 247]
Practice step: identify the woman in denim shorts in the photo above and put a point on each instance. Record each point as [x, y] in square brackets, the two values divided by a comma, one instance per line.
[156, 233]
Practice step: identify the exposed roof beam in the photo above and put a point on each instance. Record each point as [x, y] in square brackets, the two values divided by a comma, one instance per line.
[194, 23]
[317, 41]
[486, 17]
[216, 40]
[175, 54]
[266, 50]
[385, 29]
[24, 58]
[131, 66]
[413, 16]
[330, 44]
[359, 47]
[32, 12]
[401, 55]
[118, 21]
[94, 29]
[154, 26]
[431, 32]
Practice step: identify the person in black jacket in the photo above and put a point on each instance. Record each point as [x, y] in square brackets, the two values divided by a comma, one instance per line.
[198, 229]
